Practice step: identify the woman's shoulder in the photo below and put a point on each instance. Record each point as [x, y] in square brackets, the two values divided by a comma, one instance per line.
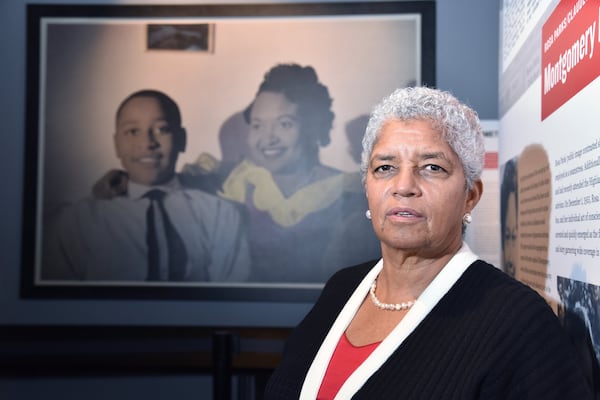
[520, 327]
[490, 277]
[338, 288]
[491, 286]
[354, 273]
[489, 273]
[343, 282]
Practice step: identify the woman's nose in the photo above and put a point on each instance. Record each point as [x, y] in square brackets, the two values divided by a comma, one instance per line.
[406, 183]
[272, 133]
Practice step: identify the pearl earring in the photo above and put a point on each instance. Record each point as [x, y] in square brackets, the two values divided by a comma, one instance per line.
[467, 219]
[368, 214]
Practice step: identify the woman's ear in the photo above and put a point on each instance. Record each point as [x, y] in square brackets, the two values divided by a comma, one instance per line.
[474, 195]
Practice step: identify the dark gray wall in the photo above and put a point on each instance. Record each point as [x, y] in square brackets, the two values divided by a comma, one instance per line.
[467, 65]
[467, 52]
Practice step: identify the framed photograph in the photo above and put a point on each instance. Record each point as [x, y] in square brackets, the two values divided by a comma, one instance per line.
[206, 152]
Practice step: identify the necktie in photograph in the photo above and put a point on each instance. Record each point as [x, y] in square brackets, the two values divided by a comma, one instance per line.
[176, 253]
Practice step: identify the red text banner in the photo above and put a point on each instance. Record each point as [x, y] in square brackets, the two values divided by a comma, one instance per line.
[570, 57]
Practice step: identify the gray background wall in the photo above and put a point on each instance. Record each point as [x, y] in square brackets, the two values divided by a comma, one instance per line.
[467, 65]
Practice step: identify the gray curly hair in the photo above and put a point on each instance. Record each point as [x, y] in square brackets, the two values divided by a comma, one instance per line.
[458, 123]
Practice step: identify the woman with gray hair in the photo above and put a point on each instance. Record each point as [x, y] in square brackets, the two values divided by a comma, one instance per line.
[429, 320]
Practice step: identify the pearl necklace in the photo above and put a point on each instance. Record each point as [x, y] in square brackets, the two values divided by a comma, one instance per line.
[388, 306]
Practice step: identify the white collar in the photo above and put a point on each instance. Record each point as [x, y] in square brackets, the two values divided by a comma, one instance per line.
[440, 285]
[137, 190]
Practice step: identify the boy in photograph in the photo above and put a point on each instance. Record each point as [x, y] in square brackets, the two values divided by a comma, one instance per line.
[157, 231]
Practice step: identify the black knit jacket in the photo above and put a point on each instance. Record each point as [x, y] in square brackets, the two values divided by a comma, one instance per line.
[489, 337]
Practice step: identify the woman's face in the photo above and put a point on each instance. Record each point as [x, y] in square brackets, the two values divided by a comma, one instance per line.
[510, 235]
[274, 139]
[416, 190]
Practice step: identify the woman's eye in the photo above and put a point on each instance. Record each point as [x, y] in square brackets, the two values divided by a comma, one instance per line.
[434, 168]
[285, 124]
[383, 168]
[132, 131]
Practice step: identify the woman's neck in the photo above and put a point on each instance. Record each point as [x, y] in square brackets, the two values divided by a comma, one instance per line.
[404, 275]
[303, 173]
[290, 181]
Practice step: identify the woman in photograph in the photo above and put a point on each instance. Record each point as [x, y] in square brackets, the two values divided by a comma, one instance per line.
[429, 320]
[305, 219]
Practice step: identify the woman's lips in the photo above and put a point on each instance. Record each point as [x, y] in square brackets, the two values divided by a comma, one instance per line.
[404, 213]
[272, 152]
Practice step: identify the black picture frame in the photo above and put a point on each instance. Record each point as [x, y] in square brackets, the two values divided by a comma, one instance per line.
[41, 84]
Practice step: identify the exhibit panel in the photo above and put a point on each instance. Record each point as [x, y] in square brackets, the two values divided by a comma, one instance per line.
[549, 154]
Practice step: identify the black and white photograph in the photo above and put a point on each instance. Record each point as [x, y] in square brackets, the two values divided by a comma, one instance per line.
[206, 152]
[579, 312]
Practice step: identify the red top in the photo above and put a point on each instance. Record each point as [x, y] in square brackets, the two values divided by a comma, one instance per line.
[346, 358]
